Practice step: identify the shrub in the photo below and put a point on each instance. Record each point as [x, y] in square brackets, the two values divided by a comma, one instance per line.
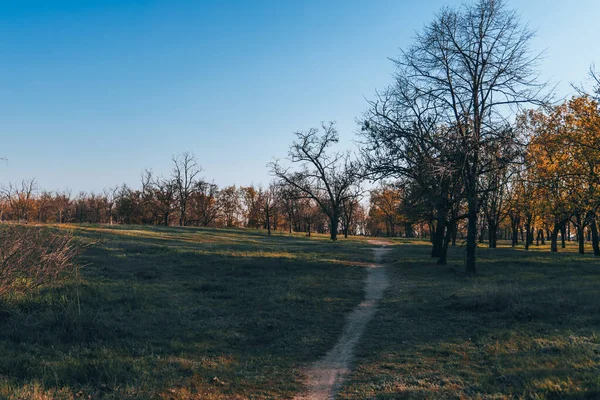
[32, 256]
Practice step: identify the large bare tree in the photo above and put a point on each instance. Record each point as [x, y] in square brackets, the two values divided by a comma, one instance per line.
[329, 179]
[466, 72]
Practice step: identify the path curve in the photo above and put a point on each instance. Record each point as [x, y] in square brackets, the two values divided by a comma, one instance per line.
[325, 377]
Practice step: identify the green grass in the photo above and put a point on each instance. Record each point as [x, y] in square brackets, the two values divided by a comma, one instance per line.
[184, 313]
[526, 327]
[178, 313]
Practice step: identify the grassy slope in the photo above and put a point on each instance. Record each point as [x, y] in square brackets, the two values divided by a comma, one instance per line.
[182, 313]
[526, 327]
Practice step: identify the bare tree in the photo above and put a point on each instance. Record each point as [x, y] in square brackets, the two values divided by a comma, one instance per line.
[349, 211]
[204, 206]
[328, 179]
[110, 195]
[464, 72]
[185, 173]
[20, 198]
[165, 193]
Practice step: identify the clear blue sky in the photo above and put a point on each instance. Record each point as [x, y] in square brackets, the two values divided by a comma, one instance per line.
[92, 92]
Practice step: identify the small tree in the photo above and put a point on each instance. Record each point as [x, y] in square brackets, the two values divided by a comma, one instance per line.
[328, 179]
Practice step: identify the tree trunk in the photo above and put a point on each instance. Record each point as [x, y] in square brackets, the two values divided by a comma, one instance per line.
[182, 217]
[595, 239]
[581, 240]
[522, 234]
[438, 240]
[408, 231]
[528, 237]
[442, 260]
[335, 219]
[454, 233]
[471, 267]
[580, 234]
[554, 238]
[515, 231]
[492, 234]
[481, 232]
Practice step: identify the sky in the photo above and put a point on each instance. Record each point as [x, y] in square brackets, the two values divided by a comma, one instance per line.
[93, 92]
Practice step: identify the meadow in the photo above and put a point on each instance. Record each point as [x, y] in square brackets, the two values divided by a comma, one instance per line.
[526, 327]
[180, 313]
[189, 313]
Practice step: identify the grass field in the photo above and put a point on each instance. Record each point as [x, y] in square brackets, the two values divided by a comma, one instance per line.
[183, 313]
[178, 313]
[526, 327]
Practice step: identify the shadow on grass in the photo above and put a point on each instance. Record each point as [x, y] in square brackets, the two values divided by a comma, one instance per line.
[525, 327]
[182, 313]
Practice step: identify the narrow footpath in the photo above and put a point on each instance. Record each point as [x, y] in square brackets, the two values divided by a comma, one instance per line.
[325, 377]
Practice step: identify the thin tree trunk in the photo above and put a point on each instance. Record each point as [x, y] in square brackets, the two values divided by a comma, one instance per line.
[438, 240]
[595, 239]
[580, 234]
[528, 238]
[471, 266]
[334, 225]
[454, 233]
[442, 260]
[554, 238]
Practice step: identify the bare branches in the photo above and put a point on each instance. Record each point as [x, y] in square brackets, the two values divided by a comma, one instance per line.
[446, 119]
[20, 198]
[327, 178]
[185, 173]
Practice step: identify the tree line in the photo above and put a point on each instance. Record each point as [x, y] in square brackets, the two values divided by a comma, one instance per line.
[182, 198]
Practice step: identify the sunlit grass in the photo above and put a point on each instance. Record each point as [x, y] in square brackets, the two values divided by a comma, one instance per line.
[182, 313]
[526, 327]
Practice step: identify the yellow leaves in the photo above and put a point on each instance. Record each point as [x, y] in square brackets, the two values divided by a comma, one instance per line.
[563, 155]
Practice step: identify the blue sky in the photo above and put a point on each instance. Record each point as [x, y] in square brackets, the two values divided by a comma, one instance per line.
[92, 92]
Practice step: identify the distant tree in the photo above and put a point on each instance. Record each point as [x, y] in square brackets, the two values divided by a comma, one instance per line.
[268, 200]
[110, 195]
[44, 206]
[328, 179]
[204, 205]
[20, 198]
[185, 174]
[387, 200]
[165, 195]
[252, 200]
[350, 208]
[229, 199]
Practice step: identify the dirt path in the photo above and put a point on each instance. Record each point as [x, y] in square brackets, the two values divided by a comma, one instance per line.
[325, 377]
